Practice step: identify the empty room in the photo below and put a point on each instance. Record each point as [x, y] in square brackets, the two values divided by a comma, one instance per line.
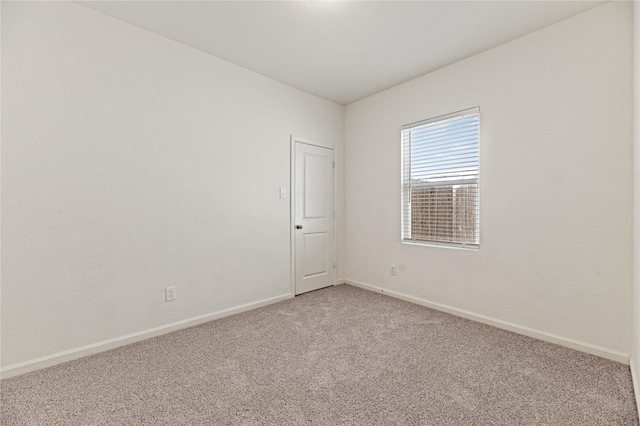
[320, 212]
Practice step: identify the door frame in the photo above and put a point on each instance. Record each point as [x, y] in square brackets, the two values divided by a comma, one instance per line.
[292, 214]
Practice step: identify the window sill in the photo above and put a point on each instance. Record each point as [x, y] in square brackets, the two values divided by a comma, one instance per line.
[442, 245]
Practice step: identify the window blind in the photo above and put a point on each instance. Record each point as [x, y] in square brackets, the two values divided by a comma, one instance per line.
[440, 179]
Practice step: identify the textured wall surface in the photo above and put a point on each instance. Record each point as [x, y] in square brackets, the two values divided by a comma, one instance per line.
[131, 163]
[555, 182]
[636, 189]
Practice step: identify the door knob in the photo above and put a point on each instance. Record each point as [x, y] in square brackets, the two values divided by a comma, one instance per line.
[298, 226]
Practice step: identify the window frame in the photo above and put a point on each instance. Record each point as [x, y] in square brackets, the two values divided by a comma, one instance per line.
[406, 186]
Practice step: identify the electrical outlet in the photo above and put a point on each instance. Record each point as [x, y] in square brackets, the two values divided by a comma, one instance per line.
[170, 294]
[393, 270]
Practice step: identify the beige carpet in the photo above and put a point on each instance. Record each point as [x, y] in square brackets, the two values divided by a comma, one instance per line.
[335, 356]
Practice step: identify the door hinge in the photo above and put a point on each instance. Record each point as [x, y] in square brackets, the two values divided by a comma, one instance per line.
[334, 215]
[334, 265]
[334, 164]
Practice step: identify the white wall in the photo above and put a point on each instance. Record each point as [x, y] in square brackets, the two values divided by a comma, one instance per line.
[556, 183]
[636, 196]
[131, 163]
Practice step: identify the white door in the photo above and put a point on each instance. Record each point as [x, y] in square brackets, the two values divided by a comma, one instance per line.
[314, 262]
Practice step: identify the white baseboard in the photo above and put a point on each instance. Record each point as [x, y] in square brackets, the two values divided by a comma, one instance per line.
[634, 378]
[520, 329]
[105, 345]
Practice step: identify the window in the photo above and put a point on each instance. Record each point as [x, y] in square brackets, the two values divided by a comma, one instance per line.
[440, 165]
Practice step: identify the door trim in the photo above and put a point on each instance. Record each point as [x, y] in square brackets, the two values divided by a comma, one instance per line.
[292, 212]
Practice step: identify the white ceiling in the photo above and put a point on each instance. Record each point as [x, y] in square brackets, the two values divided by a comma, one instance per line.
[342, 50]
